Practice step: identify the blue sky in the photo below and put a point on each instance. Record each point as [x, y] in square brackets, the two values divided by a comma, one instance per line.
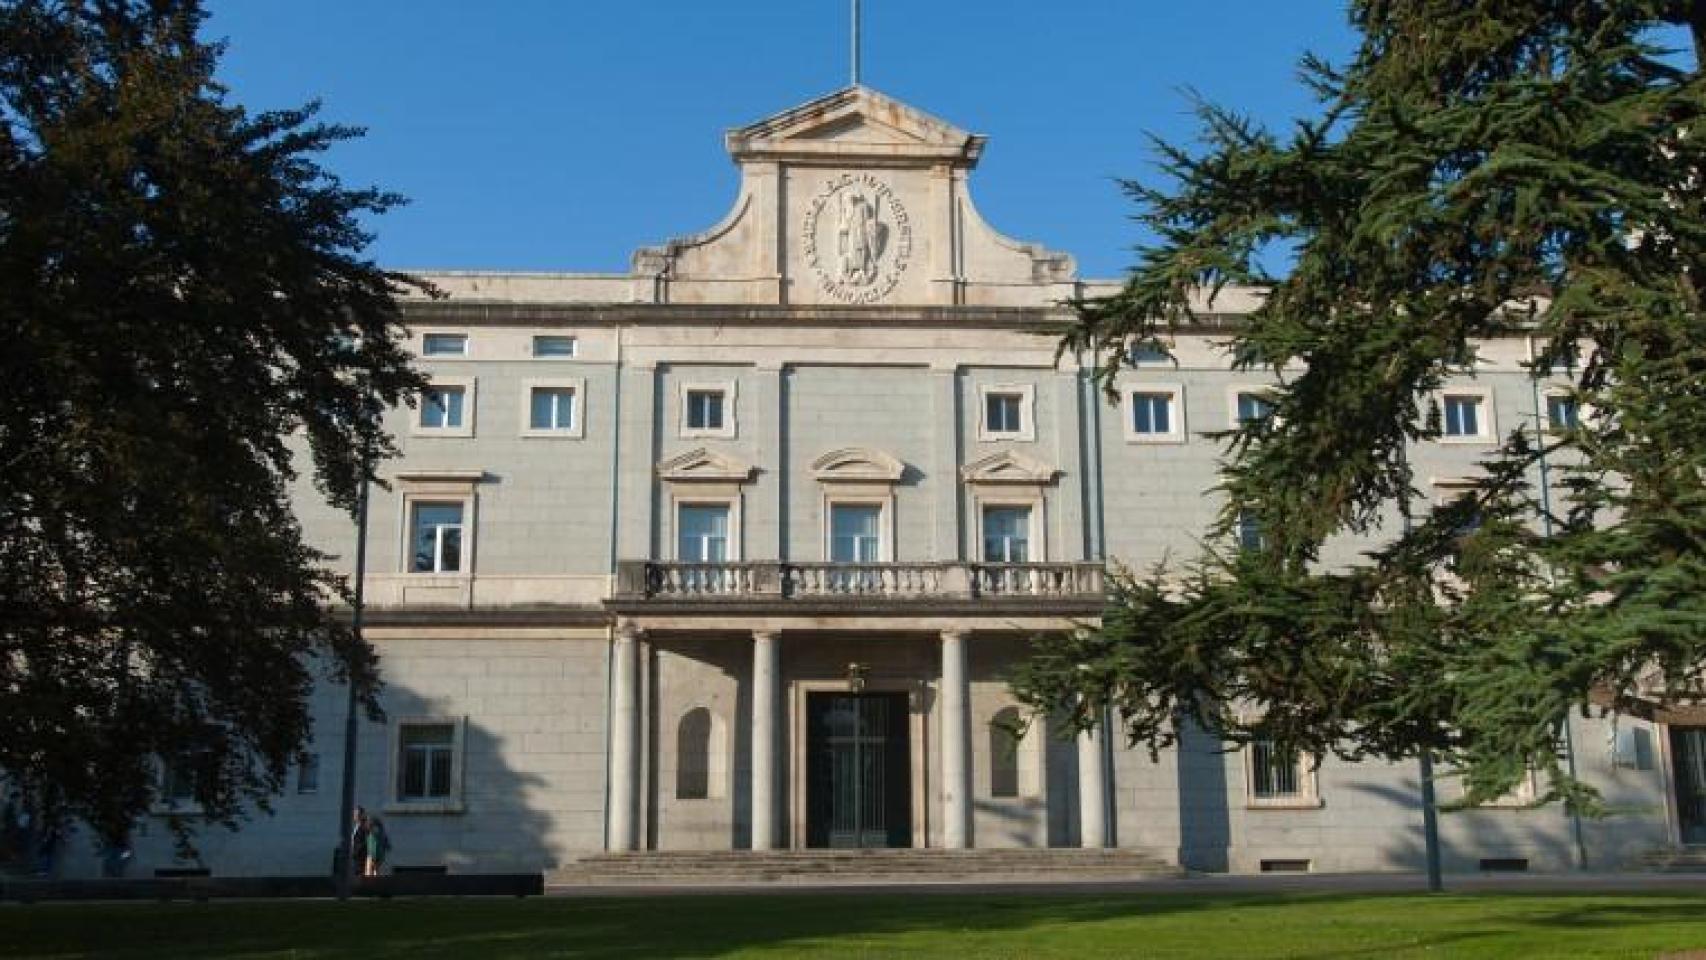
[562, 134]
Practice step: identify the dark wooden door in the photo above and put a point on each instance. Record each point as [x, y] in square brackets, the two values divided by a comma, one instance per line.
[1688, 758]
[858, 770]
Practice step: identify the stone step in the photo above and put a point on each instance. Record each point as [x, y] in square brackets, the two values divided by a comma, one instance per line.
[809, 863]
[1019, 855]
[859, 866]
[841, 869]
[1686, 860]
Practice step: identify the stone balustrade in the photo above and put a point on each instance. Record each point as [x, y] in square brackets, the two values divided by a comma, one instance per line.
[666, 581]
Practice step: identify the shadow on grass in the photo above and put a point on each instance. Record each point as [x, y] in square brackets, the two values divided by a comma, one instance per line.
[1317, 925]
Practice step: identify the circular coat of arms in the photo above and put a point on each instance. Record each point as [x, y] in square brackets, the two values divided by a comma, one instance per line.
[858, 239]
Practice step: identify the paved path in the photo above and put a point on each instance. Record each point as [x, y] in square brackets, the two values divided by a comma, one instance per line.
[1207, 884]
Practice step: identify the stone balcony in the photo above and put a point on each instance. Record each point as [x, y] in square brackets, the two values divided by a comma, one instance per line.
[1054, 587]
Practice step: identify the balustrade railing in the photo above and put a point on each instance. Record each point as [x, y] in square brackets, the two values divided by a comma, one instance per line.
[757, 579]
[862, 579]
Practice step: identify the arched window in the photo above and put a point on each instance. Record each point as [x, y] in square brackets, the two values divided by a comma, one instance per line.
[1004, 754]
[693, 755]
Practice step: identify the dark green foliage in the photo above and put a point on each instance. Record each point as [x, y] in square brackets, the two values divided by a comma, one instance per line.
[181, 291]
[1479, 170]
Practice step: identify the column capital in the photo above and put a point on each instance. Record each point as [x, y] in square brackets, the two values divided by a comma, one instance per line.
[763, 636]
[629, 631]
[954, 633]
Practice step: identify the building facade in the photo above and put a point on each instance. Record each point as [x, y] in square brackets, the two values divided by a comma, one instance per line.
[734, 550]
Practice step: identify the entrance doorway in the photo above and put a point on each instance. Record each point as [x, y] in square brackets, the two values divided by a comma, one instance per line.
[1688, 757]
[858, 770]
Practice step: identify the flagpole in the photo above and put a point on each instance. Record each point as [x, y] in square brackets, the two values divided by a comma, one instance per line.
[855, 43]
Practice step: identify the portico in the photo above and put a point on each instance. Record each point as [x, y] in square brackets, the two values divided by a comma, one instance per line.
[863, 708]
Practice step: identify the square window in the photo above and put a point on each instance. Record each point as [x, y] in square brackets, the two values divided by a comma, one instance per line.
[1006, 534]
[1562, 413]
[442, 407]
[1004, 412]
[704, 409]
[1152, 414]
[551, 408]
[308, 774]
[435, 537]
[1460, 496]
[555, 346]
[1462, 416]
[554, 407]
[444, 345]
[1253, 407]
[426, 759]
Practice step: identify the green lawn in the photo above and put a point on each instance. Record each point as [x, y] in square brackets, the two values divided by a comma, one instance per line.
[962, 927]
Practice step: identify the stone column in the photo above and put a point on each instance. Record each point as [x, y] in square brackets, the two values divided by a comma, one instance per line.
[625, 739]
[765, 694]
[956, 736]
[1092, 791]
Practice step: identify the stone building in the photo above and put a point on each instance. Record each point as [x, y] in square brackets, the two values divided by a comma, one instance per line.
[732, 550]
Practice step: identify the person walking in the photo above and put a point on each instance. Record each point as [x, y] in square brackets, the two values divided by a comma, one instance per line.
[358, 843]
[378, 845]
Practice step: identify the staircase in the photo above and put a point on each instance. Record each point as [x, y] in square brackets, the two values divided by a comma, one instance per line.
[856, 867]
[1674, 860]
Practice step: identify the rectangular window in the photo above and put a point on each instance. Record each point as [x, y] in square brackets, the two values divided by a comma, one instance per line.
[1254, 407]
[1275, 773]
[1004, 412]
[702, 533]
[551, 408]
[308, 774]
[436, 536]
[426, 756]
[1006, 534]
[1462, 416]
[1152, 414]
[177, 783]
[1562, 413]
[1462, 500]
[441, 407]
[854, 535]
[555, 346]
[1249, 531]
[444, 345]
[704, 409]
[1147, 352]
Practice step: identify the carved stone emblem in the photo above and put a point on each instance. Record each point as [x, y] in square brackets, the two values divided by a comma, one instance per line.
[858, 238]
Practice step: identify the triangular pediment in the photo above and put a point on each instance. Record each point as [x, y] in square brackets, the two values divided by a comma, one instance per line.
[856, 122]
[706, 465]
[855, 128]
[858, 464]
[1008, 467]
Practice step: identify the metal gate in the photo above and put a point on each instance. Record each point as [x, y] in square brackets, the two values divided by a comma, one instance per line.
[858, 772]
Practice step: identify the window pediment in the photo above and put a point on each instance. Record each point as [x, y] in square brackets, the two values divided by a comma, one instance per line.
[1008, 467]
[701, 464]
[858, 465]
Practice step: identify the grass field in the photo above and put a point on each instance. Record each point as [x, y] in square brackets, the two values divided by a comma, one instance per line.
[962, 927]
